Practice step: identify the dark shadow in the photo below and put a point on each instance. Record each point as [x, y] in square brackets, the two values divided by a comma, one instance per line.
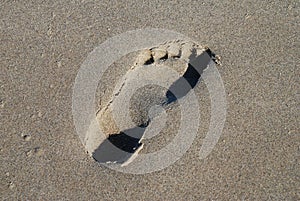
[150, 61]
[190, 78]
[119, 147]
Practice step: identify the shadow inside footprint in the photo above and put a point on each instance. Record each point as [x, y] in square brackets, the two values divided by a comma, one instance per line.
[191, 76]
[119, 147]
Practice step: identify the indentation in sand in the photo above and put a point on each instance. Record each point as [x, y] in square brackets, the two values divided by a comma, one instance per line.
[147, 114]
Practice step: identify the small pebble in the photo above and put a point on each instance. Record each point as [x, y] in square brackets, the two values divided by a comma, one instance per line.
[49, 32]
[247, 16]
[40, 114]
[29, 153]
[11, 185]
[59, 64]
[38, 151]
[26, 137]
[1, 103]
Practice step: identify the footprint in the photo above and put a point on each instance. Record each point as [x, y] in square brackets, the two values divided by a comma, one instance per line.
[124, 140]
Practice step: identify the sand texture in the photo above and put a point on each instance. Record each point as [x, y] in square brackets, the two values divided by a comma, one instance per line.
[43, 45]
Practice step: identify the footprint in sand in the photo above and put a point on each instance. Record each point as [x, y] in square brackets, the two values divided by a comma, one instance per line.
[165, 73]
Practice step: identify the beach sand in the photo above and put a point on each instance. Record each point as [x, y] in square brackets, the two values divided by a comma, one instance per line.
[43, 45]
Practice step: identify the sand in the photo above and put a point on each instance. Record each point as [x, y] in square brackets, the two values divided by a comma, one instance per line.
[43, 45]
